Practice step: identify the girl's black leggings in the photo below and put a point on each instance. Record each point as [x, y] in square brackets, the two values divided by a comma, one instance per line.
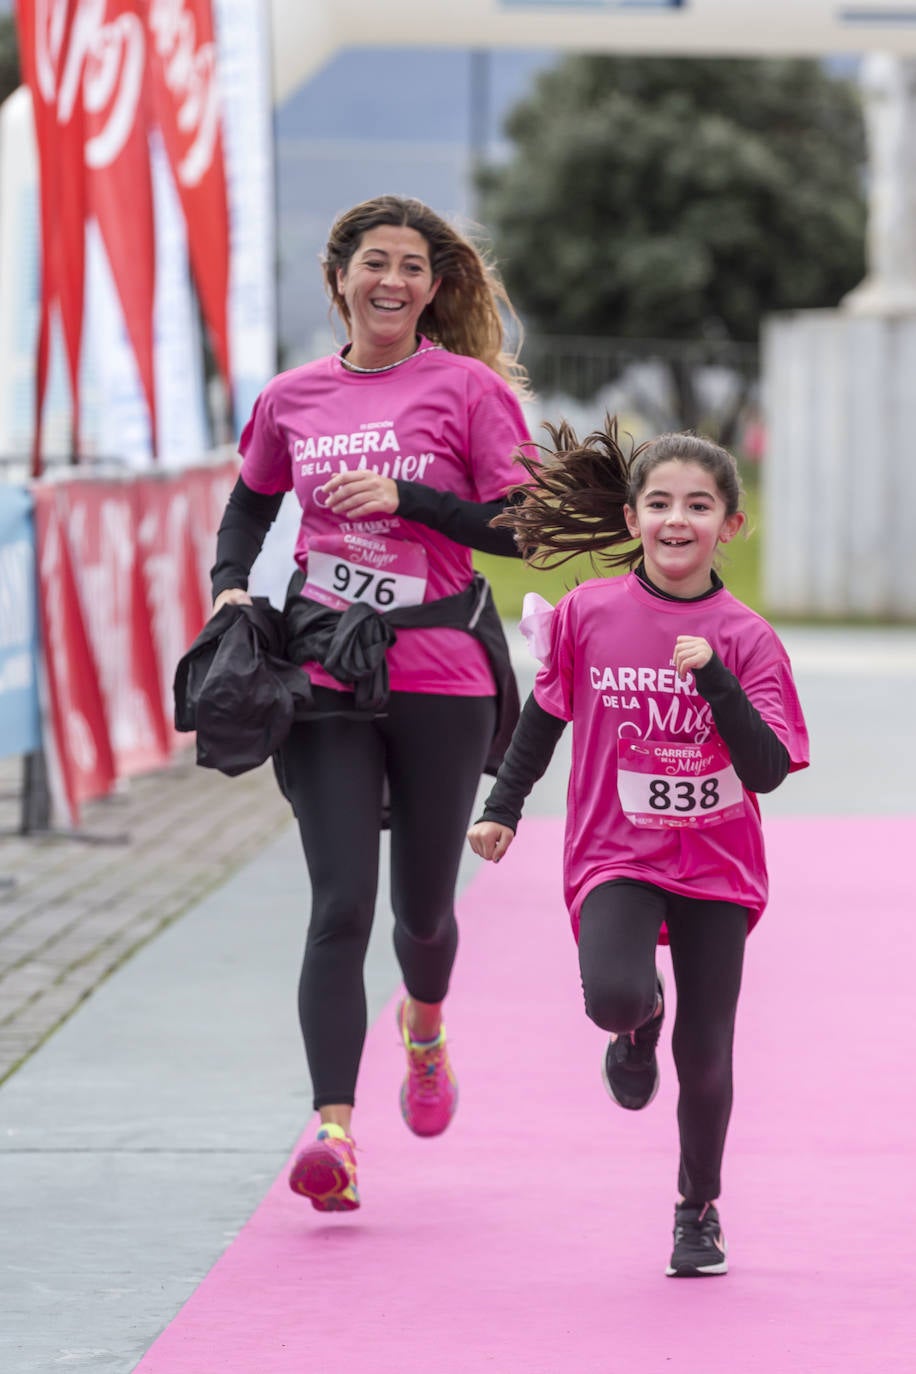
[432, 750]
[619, 926]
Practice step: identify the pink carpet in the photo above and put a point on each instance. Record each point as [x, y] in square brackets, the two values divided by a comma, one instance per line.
[532, 1238]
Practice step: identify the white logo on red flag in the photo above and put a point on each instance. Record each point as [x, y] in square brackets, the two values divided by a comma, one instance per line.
[189, 70]
[104, 63]
[183, 66]
[114, 82]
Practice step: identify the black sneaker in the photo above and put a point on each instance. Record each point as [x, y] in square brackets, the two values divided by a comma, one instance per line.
[630, 1067]
[699, 1245]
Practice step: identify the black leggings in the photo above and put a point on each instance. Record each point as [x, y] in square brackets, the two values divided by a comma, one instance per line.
[619, 927]
[432, 750]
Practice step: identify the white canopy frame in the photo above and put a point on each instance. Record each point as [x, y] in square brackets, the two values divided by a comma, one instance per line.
[307, 33]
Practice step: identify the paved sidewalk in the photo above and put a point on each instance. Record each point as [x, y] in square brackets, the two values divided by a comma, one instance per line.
[73, 910]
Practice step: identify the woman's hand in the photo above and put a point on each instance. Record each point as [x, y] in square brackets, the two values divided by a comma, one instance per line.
[356, 495]
[690, 652]
[490, 840]
[232, 596]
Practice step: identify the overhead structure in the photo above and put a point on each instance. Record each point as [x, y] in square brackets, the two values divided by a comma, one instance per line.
[305, 36]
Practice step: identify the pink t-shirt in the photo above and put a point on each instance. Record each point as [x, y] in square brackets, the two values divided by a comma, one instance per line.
[439, 418]
[652, 794]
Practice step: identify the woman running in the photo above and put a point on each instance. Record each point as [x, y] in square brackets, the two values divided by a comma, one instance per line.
[401, 449]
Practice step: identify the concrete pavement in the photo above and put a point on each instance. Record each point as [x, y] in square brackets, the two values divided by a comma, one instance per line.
[73, 909]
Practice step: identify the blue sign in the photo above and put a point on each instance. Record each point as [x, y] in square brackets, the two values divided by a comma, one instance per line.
[20, 730]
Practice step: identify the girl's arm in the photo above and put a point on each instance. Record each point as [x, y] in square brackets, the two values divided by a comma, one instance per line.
[526, 760]
[464, 522]
[247, 518]
[758, 755]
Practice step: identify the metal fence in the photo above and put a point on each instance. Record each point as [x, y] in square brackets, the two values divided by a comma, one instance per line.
[654, 384]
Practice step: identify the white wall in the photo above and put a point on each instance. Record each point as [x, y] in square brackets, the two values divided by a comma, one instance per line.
[839, 488]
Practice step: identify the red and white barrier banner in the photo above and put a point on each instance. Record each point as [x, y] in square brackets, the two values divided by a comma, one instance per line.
[170, 582]
[123, 592]
[177, 540]
[81, 743]
[208, 491]
[102, 521]
[186, 100]
[51, 58]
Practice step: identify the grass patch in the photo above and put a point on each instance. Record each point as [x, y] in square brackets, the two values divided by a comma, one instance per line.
[510, 578]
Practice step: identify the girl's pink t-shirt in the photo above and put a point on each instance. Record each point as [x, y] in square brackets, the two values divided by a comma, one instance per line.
[439, 418]
[635, 810]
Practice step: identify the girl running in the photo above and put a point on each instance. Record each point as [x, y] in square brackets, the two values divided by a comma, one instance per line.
[401, 448]
[683, 708]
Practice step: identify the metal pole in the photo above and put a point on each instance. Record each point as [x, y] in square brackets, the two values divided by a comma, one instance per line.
[478, 118]
[36, 796]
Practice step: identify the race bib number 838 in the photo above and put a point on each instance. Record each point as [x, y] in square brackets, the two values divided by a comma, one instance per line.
[686, 785]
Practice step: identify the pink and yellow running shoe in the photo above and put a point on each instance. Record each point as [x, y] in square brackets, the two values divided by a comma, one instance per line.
[429, 1093]
[325, 1171]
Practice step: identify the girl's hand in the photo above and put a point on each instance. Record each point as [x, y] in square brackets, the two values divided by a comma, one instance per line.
[490, 840]
[690, 652]
[359, 494]
[232, 596]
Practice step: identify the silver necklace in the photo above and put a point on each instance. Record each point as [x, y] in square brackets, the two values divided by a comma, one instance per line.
[355, 367]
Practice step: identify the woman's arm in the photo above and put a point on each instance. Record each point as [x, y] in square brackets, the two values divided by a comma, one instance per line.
[363, 493]
[247, 518]
[464, 522]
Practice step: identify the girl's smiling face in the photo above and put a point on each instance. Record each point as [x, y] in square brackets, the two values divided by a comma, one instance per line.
[386, 286]
[681, 519]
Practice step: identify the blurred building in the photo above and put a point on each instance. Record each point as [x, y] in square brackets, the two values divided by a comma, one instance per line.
[403, 121]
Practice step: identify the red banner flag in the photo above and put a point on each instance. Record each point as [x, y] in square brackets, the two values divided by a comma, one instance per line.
[85, 62]
[116, 94]
[52, 69]
[186, 99]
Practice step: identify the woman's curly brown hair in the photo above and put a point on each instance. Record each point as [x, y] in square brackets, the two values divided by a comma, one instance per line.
[466, 314]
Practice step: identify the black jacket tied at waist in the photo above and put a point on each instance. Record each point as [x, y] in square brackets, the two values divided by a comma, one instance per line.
[240, 688]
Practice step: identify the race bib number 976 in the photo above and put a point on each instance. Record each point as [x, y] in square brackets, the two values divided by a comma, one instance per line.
[661, 784]
[383, 573]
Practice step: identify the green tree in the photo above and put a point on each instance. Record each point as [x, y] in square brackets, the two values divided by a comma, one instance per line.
[9, 57]
[678, 198]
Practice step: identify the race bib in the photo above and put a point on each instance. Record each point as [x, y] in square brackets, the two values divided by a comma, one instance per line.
[662, 784]
[384, 573]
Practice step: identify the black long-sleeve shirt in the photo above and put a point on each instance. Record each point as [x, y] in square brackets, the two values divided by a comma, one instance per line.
[249, 515]
[242, 531]
[758, 756]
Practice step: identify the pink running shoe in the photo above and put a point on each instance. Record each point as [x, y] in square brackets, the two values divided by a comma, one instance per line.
[429, 1093]
[325, 1171]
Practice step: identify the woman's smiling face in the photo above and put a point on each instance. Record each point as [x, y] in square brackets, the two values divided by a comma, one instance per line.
[680, 518]
[386, 286]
